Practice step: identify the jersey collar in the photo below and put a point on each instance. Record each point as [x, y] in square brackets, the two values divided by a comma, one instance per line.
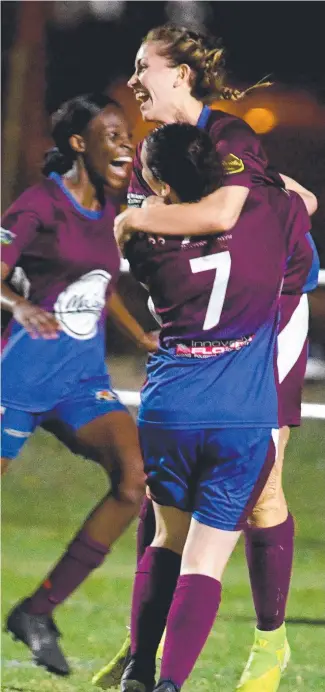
[82, 210]
[204, 117]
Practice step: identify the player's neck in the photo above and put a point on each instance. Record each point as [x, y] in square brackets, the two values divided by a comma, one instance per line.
[188, 110]
[82, 189]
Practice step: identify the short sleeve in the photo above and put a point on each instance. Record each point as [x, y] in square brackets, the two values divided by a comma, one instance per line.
[19, 226]
[243, 158]
[138, 189]
[302, 261]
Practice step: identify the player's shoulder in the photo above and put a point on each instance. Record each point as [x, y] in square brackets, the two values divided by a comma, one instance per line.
[37, 198]
[220, 122]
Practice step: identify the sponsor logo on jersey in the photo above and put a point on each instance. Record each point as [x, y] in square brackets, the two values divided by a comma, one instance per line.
[17, 433]
[188, 243]
[205, 349]
[105, 395]
[7, 237]
[135, 200]
[79, 307]
[232, 164]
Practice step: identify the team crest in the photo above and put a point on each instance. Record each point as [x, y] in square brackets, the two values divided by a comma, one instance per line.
[232, 164]
[105, 395]
[7, 237]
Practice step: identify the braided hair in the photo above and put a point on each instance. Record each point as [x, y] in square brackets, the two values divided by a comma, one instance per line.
[204, 55]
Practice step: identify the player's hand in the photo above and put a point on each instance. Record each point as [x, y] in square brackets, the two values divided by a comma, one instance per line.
[152, 201]
[36, 321]
[124, 226]
[150, 342]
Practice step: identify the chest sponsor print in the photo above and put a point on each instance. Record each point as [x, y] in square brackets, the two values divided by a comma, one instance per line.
[78, 308]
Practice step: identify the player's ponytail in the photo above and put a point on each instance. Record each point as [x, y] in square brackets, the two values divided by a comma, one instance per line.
[72, 118]
[56, 162]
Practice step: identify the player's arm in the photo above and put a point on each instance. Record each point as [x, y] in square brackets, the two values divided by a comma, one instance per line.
[128, 325]
[244, 165]
[308, 197]
[19, 228]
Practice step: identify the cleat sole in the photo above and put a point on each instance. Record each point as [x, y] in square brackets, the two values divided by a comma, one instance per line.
[134, 686]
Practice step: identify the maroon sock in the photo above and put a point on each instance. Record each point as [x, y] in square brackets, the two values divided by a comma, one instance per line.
[269, 554]
[146, 528]
[191, 616]
[153, 589]
[82, 556]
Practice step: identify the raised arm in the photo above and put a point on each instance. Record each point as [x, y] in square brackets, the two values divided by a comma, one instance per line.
[308, 197]
[245, 166]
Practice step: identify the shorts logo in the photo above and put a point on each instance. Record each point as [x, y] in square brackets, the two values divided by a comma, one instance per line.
[7, 237]
[105, 395]
[232, 164]
[79, 307]
[17, 433]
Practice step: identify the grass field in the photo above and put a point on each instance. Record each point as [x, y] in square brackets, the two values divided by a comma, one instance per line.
[44, 499]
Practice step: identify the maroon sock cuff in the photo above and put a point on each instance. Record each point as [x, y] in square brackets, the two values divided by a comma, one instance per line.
[272, 534]
[162, 557]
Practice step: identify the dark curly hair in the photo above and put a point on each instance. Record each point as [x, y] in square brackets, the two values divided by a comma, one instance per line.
[184, 157]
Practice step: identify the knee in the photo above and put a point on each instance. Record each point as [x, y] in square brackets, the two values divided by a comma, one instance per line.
[270, 510]
[170, 535]
[172, 542]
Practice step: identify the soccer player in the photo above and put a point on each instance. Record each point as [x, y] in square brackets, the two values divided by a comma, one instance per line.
[176, 71]
[60, 233]
[207, 455]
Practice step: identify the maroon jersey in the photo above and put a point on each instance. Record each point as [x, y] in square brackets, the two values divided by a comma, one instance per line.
[223, 286]
[68, 254]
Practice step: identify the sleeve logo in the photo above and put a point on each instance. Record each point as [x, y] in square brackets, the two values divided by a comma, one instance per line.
[232, 164]
[7, 237]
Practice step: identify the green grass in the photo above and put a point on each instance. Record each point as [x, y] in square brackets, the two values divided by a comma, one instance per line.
[45, 497]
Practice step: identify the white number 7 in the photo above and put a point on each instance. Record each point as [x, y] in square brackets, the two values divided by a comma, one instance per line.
[221, 261]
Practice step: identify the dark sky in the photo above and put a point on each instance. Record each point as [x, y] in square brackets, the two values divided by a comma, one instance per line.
[282, 38]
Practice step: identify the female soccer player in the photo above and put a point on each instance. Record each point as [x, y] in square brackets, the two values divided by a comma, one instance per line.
[60, 233]
[176, 72]
[207, 457]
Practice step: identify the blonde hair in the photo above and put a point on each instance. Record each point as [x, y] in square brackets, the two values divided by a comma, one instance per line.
[204, 55]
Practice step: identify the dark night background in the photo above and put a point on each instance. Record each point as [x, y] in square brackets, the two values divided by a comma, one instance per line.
[70, 49]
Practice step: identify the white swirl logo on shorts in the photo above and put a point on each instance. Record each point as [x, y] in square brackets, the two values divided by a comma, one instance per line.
[79, 306]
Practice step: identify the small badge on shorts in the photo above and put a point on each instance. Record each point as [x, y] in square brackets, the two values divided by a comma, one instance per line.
[105, 395]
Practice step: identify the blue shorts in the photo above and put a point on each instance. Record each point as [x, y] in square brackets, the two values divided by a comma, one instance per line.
[217, 475]
[91, 399]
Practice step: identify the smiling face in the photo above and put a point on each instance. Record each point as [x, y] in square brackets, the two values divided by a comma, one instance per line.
[108, 149]
[156, 85]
